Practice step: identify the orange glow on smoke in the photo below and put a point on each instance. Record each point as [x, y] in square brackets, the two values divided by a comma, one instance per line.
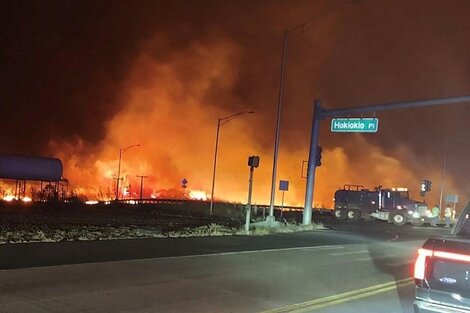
[165, 109]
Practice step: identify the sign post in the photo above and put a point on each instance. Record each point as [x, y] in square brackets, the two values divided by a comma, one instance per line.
[184, 181]
[253, 162]
[283, 186]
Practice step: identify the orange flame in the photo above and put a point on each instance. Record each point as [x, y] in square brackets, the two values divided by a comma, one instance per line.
[167, 109]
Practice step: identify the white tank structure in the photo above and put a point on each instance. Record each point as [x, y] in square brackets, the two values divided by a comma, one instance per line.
[30, 168]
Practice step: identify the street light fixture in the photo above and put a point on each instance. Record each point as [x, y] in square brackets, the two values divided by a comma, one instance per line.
[121, 151]
[220, 122]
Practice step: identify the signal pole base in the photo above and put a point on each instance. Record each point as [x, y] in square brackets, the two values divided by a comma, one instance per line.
[270, 219]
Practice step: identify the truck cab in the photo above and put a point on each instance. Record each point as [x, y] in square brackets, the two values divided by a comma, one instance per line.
[442, 271]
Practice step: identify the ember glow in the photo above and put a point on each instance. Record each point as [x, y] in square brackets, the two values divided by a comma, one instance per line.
[9, 198]
[198, 195]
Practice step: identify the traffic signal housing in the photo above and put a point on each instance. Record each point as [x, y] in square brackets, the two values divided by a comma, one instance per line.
[253, 161]
[425, 186]
[318, 156]
[428, 185]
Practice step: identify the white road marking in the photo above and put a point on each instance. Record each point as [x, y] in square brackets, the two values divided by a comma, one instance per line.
[349, 252]
[328, 247]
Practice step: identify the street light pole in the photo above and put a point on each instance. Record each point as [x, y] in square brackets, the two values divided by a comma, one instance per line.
[215, 165]
[121, 151]
[220, 122]
[281, 92]
[118, 175]
[278, 129]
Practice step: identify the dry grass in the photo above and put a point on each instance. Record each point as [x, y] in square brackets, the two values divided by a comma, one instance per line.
[284, 228]
[31, 233]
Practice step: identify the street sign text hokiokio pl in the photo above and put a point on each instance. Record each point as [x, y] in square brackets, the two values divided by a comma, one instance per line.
[355, 125]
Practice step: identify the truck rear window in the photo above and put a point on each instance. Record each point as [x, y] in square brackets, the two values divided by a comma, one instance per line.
[464, 229]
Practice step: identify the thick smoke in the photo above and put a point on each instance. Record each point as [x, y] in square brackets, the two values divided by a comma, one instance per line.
[83, 79]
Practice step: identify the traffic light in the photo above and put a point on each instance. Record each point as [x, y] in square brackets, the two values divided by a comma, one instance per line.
[425, 186]
[318, 157]
[253, 161]
[428, 185]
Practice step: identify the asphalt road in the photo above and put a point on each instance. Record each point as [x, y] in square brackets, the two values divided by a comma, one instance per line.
[363, 267]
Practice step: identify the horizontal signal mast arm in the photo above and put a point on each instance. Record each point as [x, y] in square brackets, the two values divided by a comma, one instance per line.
[322, 113]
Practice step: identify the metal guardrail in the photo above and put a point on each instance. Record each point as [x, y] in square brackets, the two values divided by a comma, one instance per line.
[152, 201]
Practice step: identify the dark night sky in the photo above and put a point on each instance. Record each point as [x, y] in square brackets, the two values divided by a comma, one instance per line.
[65, 67]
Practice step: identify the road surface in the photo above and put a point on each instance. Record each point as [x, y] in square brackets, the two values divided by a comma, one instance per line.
[363, 267]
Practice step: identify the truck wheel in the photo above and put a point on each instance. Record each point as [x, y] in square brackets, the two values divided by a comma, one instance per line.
[417, 221]
[398, 218]
[354, 215]
[340, 214]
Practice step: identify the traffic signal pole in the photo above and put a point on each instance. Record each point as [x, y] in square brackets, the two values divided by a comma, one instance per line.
[319, 114]
[307, 216]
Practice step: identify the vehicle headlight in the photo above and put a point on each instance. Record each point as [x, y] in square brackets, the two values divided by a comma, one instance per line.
[410, 212]
[416, 215]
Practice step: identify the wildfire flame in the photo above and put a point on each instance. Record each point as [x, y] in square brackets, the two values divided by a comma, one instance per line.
[167, 108]
[9, 198]
[198, 195]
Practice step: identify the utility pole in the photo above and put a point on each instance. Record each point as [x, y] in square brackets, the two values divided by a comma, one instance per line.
[141, 184]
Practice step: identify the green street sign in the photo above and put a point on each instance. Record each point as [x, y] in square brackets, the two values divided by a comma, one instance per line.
[355, 125]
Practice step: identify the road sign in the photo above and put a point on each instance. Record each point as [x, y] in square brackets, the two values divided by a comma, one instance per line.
[355, 125]
[253, 161]
[452, 199]
[284, 185]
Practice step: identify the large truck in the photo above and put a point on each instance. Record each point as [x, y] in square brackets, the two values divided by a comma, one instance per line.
[354, 202]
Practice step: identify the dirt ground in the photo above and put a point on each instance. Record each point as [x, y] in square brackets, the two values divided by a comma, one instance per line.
[57, 221]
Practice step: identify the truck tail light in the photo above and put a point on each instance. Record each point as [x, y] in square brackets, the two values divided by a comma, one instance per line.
[420, 265]
[452, 256]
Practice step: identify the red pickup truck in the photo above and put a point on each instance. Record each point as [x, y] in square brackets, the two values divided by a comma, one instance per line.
[442, 271]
